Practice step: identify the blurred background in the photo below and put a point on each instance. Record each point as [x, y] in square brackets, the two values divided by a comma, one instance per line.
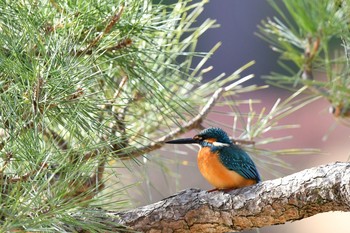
[169, 173]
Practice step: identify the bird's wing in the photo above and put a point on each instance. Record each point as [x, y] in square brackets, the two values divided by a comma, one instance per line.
[236, 159]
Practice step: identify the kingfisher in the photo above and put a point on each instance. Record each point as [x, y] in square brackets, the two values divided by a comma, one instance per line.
[222, 163]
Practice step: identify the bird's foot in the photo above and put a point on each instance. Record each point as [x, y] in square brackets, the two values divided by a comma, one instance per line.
[222, 190]
[212, 190]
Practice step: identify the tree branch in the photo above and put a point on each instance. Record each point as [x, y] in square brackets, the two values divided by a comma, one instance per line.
[194, 123]
[294, 197]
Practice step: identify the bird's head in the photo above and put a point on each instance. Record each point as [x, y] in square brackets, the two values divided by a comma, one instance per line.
[209, 136]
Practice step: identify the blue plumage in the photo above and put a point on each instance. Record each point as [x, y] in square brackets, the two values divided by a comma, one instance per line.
[236, 159]
[217, 133]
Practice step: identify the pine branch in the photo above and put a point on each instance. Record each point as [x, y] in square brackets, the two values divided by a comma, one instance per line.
[194, 123]
[108, 28]
[294, 197]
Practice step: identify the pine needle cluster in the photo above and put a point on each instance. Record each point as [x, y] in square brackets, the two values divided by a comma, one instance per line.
[313, 40]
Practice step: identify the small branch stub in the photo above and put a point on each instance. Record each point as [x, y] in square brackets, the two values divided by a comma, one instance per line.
[297, 196]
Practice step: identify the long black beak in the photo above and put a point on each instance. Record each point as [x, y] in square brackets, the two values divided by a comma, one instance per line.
[182, 141]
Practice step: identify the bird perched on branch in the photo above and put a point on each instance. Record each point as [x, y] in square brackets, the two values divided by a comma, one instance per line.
[222, 163]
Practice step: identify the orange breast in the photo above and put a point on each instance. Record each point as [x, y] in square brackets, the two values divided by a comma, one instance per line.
[217, 174]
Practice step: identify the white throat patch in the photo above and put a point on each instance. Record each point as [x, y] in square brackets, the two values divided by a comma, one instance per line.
[218, 144]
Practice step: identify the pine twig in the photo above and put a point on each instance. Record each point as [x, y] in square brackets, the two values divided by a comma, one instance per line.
[108, 28]
[24, 177]
[26, 126]
[194, 123]
[58, 139]
[91, 186]
[122, 44]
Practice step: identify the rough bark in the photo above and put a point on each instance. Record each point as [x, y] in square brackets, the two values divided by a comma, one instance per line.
[297, 196]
